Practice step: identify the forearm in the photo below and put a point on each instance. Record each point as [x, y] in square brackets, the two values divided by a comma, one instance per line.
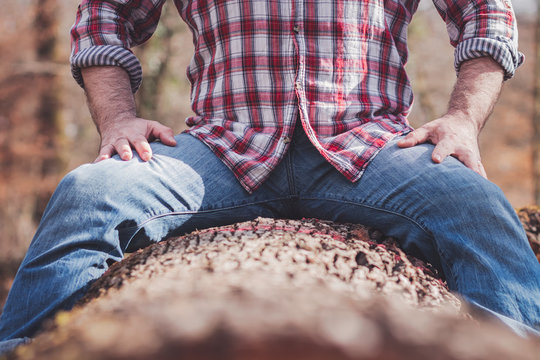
[476, 91]
[456, 133]
[112, 107]
[104, 32]
[109, 95]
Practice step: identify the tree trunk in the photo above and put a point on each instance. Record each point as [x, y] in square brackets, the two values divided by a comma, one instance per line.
[155, 55]
[273, 289]
[31, 132]
[536, 115]
[47, 114]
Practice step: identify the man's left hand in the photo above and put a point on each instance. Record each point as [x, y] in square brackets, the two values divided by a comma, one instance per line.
[453, 135]
[456, 133]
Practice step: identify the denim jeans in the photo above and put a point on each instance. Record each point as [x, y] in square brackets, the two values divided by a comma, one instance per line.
[443, 213]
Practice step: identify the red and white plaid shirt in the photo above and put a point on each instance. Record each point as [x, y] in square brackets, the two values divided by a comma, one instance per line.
[258, 65]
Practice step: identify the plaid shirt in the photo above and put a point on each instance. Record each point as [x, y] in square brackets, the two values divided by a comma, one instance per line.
[259, 65]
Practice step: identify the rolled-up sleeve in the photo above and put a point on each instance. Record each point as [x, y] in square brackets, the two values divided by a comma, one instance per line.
[480, 28]
[106, 30]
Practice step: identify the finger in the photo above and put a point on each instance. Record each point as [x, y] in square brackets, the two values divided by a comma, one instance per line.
[474, 163]
[123, 149]
[442, 150]
[105, 153]
[418, 136]
[143, 148]
[164, 133]
[482, 169]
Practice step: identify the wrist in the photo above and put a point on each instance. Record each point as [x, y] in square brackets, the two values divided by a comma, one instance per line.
[109, 96]
[111, 122]
[465, 121]
[476, 91]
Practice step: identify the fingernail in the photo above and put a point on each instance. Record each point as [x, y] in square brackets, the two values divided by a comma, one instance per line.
[146, 156]
[437, 158]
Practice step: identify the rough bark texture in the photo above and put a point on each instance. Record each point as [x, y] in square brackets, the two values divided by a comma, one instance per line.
[273, 289]
[530, 218]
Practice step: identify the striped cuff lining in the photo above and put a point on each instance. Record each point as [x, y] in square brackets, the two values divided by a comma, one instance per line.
[107, 55]
[502, 50]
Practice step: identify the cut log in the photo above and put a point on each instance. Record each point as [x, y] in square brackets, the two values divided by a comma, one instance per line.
[273, 289]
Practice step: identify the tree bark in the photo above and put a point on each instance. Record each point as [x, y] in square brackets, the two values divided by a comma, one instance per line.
[273, 289]
[530, 218]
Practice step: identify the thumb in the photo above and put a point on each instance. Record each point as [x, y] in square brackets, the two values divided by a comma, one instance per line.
[164, 133]
[418, 136]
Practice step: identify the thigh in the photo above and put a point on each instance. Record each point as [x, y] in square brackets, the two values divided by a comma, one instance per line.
[204, 194]
[101, 210]
[406, 195]
[136, 203]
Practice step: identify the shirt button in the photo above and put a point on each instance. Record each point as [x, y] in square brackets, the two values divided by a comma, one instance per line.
[296, 29]
[297, 85]
[286, 139]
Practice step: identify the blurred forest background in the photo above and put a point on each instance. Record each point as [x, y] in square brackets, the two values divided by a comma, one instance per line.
[46, 130]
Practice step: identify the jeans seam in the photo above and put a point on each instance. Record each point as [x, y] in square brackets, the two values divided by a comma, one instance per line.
[290, 172]
[193, 212]
[451, 273]
[418, 223]
[374, 207]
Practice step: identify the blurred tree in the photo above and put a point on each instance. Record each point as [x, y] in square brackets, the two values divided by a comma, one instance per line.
[155, 56]
[425, 91]
[536, 117]
[47, 113]
[31, 139]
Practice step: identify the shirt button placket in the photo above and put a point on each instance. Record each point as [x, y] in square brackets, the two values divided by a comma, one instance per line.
[299, 32]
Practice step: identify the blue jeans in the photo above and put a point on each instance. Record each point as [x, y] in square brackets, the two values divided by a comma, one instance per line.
[443, 213]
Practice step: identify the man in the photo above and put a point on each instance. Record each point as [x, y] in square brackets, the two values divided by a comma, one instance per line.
[299, 111]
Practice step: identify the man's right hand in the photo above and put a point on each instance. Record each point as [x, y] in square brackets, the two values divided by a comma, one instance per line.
[132, 132]
[112, 107]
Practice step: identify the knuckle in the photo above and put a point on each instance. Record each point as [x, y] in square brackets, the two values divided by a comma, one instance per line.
[442, 146]
[140, 139]
[440, 151]
[105, 150]
[124, 148]
[451, 137]
[121, 141]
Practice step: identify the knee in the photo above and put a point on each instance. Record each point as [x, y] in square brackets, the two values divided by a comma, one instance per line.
[89, 182]
[135, 182]
[85, 178]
